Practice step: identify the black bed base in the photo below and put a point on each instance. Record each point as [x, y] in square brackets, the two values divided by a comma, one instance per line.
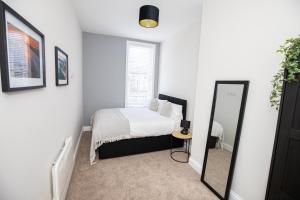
[137, 146]
[146, 144]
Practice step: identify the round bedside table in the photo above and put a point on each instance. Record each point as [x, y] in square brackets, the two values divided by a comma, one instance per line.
[187, 140]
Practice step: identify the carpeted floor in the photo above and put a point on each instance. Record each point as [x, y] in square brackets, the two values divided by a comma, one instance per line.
[150, 176]
[217, 169]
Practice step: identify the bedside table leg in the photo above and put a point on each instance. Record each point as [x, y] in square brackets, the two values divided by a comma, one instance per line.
[188, 149]
[171, 145]
[185, 149]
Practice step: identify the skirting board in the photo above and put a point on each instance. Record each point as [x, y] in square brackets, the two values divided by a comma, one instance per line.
[227, 147]
[195, 165]
[77, 145]
[86, 129]
[234, 196]
[198, 168]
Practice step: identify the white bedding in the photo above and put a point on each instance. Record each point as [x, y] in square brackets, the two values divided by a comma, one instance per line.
[144, 122]
[111, 125]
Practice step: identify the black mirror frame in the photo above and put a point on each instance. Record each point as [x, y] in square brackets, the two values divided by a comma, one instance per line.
[236, 141]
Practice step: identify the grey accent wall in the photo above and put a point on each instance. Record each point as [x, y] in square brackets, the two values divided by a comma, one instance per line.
[104, 72]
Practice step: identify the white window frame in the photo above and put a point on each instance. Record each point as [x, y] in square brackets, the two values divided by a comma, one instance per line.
[143, 44]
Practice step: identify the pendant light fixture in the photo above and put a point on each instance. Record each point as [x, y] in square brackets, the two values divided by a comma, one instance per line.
[149, 16]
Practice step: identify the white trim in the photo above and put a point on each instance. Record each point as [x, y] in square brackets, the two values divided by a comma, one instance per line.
[143, 44]
[234, 196]
[78, 143]
[195, 165]
[227, 147]
[86, 129]
[126, 76]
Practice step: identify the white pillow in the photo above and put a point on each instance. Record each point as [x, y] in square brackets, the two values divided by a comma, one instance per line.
[176, 115]
[154, 105]
[166, 109]
[160, 104]
[176, 109]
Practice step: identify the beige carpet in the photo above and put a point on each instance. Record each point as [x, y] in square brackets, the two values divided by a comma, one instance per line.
[150, 176]
[217, 169]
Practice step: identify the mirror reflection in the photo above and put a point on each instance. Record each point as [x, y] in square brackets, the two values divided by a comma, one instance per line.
[221, 139]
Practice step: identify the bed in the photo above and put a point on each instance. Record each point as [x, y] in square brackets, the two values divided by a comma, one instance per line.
[143, 125]
[216, 138]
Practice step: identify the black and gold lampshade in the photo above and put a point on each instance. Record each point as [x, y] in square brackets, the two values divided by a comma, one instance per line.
[149, 16]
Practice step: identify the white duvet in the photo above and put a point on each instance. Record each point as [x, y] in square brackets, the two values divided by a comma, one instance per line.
[144, 122]
[111, 125]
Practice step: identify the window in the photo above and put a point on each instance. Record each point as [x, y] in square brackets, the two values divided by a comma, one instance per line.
[140, 71]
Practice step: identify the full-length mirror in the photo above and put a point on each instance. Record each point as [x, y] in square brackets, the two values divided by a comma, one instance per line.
[223, 136]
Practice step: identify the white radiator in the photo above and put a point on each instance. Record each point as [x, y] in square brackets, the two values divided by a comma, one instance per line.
[62, 170]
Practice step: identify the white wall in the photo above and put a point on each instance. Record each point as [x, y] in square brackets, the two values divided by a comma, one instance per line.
[238, 41]
[34, 123]
[179, 65]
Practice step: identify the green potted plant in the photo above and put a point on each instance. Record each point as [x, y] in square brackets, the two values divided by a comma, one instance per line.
[291, 52]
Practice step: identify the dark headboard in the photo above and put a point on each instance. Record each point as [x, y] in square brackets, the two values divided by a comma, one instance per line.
[176, 101]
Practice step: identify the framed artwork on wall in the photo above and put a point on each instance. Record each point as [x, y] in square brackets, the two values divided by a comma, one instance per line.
[22, 52]
[61, 67]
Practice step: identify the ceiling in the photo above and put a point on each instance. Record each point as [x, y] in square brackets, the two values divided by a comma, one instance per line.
[120, 17]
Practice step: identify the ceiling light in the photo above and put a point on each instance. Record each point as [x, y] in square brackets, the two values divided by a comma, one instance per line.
[149, 16]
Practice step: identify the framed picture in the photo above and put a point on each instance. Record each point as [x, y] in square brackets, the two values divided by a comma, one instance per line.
[61, 67]
[22, 52]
